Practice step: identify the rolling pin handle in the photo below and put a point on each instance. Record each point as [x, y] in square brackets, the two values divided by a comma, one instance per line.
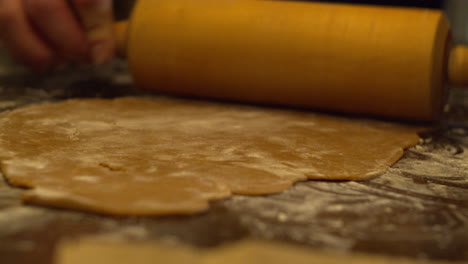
[458, 66]
[121, 35]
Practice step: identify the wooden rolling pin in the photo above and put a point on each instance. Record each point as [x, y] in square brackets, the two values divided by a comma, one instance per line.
[383, 61]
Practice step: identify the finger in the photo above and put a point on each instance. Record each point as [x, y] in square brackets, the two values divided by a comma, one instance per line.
[56, 22]
[97, 19]
[20, 38]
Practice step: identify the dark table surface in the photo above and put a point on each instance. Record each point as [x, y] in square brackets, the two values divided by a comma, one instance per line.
[418, 209]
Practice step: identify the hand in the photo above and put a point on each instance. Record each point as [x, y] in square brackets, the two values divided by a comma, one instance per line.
[45, 33]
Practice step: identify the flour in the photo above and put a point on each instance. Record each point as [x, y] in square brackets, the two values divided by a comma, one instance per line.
[422, 197]
[428, 185]
[123, 233]
[16, 219]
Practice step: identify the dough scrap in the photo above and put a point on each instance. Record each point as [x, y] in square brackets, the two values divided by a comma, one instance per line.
[94, 250]
[160, 156]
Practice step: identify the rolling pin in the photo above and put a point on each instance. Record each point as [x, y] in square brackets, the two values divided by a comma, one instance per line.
[381, 61]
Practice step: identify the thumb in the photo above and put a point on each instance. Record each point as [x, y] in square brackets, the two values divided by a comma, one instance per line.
[96, 17]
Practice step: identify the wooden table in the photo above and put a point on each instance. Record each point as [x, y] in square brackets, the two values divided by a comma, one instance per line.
[419, 208]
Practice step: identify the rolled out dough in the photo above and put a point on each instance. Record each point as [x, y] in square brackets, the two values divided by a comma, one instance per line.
[159, 156]
[96, 251]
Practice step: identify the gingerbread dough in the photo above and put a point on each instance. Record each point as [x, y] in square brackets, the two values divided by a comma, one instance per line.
[96, 251]
[159, 156]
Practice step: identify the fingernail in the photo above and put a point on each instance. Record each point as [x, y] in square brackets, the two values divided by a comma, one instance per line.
[95, 6]
[99, 54]
[104, 5]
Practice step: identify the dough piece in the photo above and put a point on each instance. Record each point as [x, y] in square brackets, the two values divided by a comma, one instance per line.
[158, 156]
[97, 251]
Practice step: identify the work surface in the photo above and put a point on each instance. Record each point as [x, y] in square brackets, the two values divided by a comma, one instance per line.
[418, 209]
